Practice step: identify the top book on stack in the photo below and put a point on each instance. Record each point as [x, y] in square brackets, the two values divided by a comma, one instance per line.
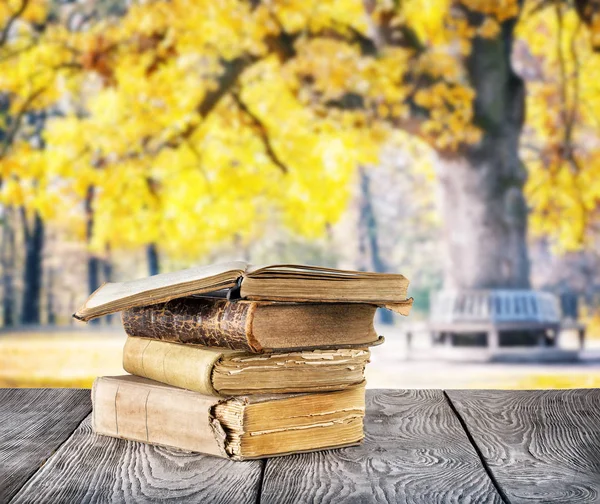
[341, 303]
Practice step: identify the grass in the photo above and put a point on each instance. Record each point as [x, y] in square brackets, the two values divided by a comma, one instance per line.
[70, 359]
[560, 381]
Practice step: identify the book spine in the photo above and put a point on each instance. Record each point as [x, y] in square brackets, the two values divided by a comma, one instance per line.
[156, 415]
[183, 366]
[195, 321]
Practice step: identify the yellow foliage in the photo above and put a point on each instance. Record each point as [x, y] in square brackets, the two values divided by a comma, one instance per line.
[159, 168]
[501, 10]
[34, 11]
[195, 120]
[428, 19]
[490, 28]
[563, 106]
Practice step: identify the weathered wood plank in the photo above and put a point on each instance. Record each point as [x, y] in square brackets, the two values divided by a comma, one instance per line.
[33, 424]
[90, 468]
[540, 446]
[415, 451]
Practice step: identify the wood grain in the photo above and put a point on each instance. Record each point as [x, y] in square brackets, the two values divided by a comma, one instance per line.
[541, 446]
[90, 468]
[34, 423]
[415, 451]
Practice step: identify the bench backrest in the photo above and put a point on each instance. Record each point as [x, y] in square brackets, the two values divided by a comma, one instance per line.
[495, 305]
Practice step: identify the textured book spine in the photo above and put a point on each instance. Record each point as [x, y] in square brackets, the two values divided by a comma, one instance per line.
[133, 408]
[183, 366]
[196, 321]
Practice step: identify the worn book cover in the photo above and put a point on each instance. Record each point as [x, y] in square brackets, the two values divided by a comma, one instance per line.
[227, 372]
[238, 428]
[256, 327]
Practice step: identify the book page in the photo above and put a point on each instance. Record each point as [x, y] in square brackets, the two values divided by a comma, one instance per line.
[153, 289]
[302, 271]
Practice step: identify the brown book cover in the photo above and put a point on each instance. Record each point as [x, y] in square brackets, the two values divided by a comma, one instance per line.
[279, 282]
[238, 428]
[226, 372]
[254, 326]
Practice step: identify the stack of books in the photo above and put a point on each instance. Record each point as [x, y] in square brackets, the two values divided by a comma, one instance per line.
[243, 362]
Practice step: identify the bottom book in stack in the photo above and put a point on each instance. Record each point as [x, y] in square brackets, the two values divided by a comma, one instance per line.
[238, 428]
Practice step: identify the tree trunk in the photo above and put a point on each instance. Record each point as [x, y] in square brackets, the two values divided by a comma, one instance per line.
[107, 274]
[368, 236]
[153, 259]
[8, 267]
[93, 273]
[483, 203]
[32, 276]
[51, 318]
[93, 261]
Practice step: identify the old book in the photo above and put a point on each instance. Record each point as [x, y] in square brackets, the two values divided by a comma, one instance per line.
[238, 428]
[254, 326]
[238, 279]
[227, 372]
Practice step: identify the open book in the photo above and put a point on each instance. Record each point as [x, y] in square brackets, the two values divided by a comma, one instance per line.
[280, 282]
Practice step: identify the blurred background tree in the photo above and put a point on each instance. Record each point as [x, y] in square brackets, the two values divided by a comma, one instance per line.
[197, 130]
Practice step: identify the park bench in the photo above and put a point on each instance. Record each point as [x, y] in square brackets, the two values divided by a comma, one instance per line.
[511, 324]
[421, 446]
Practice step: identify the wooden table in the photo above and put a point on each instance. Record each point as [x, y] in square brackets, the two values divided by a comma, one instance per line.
[421, 446]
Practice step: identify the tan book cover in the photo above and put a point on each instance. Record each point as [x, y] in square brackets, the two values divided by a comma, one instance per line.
[256, 327]
[238, 428]
[227, 372]
[279, 282]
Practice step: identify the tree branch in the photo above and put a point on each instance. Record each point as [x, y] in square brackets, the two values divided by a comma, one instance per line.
[15, 15]
[387, 32]
[576, 76]
[259, 126]
[12, 132]
[587, 11]
[233, 69]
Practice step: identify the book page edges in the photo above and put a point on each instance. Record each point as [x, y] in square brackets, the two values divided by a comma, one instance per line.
[184, 366]
[286, 270]
[340, 346]
[310, 289]
[402, 308]
[133, 408]
[241, 458]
